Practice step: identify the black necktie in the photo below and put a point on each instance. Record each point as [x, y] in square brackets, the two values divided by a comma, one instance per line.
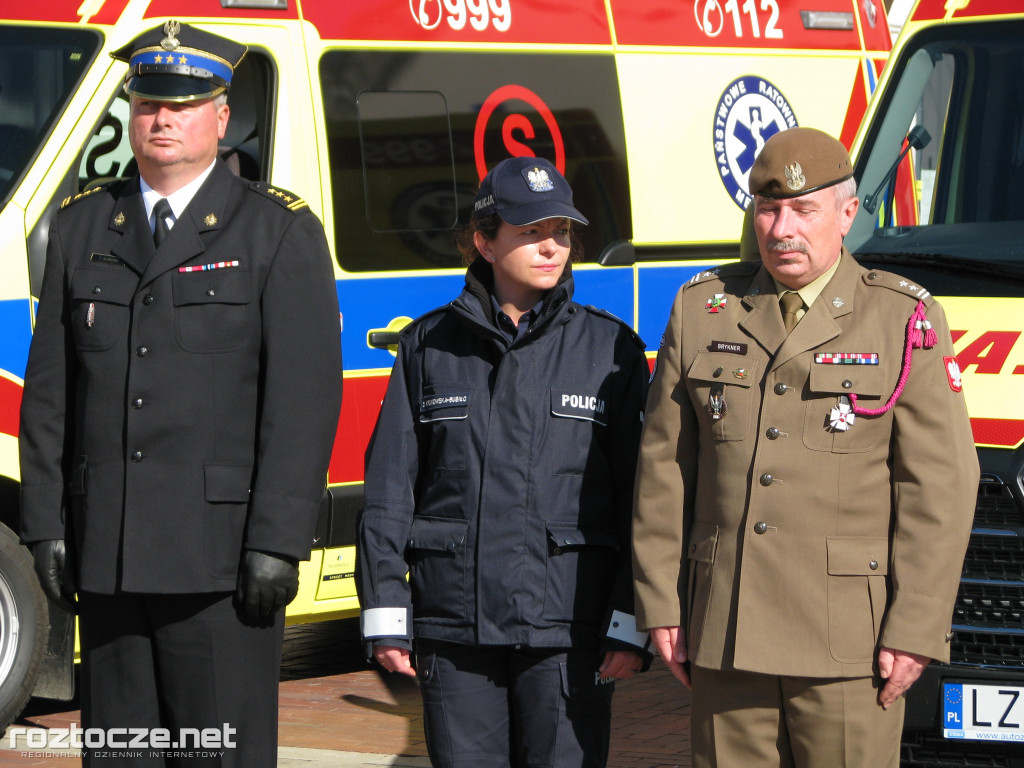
[791, 303]
[161, 211]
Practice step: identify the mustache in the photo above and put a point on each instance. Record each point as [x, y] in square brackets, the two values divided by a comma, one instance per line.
[782, 246]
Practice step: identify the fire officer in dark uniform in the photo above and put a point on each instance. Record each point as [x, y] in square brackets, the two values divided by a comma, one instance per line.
[180, 402]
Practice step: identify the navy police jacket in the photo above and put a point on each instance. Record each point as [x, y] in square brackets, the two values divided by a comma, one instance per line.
[499, 480]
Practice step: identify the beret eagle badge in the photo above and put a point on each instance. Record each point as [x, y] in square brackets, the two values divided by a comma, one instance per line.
[795, 178]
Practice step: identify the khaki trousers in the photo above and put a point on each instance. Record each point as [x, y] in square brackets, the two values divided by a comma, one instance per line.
[752, 720]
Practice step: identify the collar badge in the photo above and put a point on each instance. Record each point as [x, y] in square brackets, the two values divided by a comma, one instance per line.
[837, 302]
[210, 220]
[716, 302]
[119, 219]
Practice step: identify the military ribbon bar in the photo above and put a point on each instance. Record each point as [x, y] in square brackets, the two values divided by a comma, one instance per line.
[846, 358]
[204, 267]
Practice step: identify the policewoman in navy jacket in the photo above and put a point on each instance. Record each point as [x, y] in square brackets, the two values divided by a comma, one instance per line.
[494, 542]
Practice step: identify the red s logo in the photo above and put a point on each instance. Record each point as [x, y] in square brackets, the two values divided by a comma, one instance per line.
[516, 127]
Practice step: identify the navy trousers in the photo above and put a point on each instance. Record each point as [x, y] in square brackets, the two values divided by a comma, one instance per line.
[179, 662]
[513, 707]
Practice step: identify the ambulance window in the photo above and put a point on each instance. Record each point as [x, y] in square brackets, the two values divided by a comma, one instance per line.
[963, 101]
[410, 132]
[39, 70]
[108, 154]
[409, 129]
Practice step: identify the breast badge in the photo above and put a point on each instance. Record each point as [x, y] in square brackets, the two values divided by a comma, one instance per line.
[717, 406]
[842, 416]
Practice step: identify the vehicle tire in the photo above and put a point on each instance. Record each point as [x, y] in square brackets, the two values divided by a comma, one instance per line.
[23, 619]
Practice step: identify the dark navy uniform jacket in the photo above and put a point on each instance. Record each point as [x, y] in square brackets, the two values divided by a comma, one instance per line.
[180, 414]
[499, 478]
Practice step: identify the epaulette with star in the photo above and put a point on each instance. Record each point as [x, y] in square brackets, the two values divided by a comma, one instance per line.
[897, 283]
[732, 269]
[280, 196]
[86, 193]
[609, 316]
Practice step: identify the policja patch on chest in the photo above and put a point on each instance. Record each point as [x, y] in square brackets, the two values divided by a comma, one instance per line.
[579, 405]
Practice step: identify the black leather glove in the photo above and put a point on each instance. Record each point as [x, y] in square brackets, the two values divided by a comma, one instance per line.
[266, 583]
[50, 563]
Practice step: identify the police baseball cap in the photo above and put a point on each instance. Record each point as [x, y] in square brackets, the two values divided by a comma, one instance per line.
[179, 63]
[523, 190]
[797, 162]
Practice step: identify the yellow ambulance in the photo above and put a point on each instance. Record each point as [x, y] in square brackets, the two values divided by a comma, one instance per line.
[940, 163]
[384, 116]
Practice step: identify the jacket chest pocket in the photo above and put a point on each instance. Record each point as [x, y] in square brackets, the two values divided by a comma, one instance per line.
[579, 418]
[101, 306]
[444, 413]
[827, 418]
[721, 389]
[212, 309]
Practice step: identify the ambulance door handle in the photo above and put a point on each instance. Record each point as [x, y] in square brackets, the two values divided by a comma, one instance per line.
[382, 339]
[387, 337]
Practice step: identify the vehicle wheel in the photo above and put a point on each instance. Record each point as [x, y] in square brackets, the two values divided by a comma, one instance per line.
[23, 617]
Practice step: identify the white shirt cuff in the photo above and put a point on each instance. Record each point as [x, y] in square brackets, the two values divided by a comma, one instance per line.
[623, 627]
[385, 622]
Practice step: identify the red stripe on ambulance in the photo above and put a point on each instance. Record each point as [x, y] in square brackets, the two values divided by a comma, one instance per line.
[10, 406]
[169, 9]
[359, 408]
[536, 22]
[736, 23]
[1002, 433]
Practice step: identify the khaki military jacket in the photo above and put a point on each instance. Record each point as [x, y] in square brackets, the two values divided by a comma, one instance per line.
[780, 542]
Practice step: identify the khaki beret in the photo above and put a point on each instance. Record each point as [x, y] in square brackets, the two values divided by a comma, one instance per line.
[797, 162]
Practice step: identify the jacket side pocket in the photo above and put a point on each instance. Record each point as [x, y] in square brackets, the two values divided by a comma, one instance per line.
[857, 572]
[701, 549]
[436, 554]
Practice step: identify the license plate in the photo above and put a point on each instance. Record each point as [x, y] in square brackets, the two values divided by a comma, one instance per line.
[983, 712]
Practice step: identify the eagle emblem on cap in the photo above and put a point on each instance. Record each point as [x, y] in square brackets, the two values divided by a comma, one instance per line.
[171, 30]
[795, 176]
[539, 181]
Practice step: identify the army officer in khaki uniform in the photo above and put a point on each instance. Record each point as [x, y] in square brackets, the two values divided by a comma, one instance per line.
[804, 496]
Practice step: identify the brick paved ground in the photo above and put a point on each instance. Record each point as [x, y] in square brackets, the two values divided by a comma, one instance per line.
[332, 700]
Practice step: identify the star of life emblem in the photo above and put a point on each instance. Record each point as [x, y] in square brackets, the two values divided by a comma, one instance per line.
[539, 181]
[749, 112]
